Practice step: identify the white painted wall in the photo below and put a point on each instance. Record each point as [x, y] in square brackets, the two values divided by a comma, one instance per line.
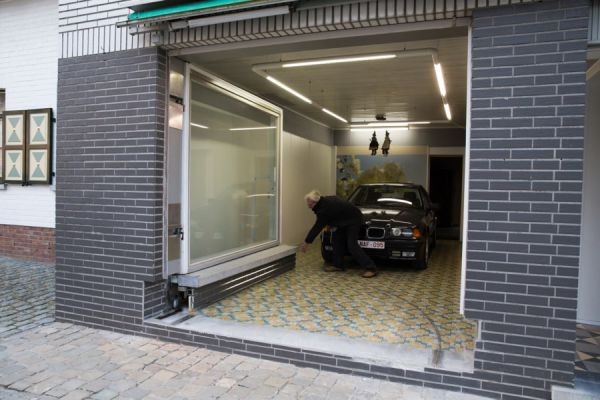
[28, 72]
[589, 273]
[306, 165]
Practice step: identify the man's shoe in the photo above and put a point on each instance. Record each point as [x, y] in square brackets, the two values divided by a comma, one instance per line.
[369, 273]
[332, 268]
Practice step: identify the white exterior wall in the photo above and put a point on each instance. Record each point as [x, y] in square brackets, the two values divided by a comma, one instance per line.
[28, 73]
[306, 165]
[589, 273]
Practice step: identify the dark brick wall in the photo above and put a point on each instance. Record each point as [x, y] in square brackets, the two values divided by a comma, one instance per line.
[528, 105]
[27, 243]
[111, 115]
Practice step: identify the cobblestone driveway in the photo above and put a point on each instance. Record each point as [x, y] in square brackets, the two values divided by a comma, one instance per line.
[40, 359]
[26, 295]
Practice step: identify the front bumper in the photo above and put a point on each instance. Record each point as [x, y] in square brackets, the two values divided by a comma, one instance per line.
[395, 249]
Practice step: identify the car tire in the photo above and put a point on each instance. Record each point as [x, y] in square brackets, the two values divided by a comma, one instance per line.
[422, 262]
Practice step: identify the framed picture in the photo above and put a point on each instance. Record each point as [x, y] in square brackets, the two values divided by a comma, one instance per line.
[14, 165]
[39, 141]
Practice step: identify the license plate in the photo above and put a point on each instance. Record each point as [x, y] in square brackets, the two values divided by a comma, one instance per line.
[371, 244]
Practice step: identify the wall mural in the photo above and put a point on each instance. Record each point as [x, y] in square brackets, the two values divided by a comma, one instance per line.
[353, 170]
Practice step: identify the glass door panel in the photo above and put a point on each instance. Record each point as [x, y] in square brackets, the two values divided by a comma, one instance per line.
[233, 158]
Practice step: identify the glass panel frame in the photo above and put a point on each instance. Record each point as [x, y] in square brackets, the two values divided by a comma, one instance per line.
[220, 86]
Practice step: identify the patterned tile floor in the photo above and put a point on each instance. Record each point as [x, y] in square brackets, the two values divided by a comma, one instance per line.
[587, 363]
[399, 306]
[27, 298]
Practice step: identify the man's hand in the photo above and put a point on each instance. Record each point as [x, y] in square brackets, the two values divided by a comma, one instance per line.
[304, 247]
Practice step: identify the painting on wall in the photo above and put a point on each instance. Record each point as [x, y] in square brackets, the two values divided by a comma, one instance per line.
[354, 170]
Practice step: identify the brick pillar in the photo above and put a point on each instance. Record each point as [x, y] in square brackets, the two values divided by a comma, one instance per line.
[528, 106]
[110, 148]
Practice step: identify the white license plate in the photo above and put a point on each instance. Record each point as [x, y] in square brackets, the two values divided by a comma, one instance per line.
[370, 244]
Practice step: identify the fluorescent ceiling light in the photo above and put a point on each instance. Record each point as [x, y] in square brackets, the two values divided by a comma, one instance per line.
[440, 79]
[253, 128]
[198, 125]
[389, 124]
[324, 61]
[447, 110]
[239, 16]
[334, 115]
[260, 195]
[289, 89]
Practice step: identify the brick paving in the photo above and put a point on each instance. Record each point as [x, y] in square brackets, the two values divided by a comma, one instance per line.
[40, 359]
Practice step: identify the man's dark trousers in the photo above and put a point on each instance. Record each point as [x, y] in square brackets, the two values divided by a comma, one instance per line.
[347, 238]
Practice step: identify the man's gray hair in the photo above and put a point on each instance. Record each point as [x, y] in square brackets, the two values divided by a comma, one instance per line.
[314, 195]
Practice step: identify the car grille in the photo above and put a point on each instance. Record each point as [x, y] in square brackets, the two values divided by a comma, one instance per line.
[375, 233]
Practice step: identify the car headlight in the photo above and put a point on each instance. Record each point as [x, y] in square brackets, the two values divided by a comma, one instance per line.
[412, 233]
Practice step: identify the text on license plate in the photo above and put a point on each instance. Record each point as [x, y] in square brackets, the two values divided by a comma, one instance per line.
[371, 244]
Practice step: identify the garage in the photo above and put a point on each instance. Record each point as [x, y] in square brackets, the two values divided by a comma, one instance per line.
[264, 126]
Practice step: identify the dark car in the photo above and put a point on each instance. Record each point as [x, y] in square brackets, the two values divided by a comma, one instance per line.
[399, 223]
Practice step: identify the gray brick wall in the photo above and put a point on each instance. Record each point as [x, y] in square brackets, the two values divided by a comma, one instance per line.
[528, 95]
[109, 190]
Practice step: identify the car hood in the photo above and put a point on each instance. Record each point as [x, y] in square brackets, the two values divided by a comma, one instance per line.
[395, 216]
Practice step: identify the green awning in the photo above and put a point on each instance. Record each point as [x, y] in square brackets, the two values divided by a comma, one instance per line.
[185, 8]
[146, 13]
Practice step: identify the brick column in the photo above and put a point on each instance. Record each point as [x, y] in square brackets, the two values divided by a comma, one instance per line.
[110, 148]
[528, 106]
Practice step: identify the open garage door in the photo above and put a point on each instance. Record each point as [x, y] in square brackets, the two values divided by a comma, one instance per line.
[335, 98]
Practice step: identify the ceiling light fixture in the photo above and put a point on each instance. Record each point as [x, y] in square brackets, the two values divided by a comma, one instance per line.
[390, 124]
[289, 89]
[253, 128]
[440, 78]
[324, 61]
[447, 110]
[262, 69]
[326, 111]
[198, 125]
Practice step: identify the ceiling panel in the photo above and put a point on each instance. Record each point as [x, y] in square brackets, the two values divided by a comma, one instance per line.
[403, 88]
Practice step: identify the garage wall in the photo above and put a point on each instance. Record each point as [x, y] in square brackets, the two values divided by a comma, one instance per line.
[589, 274]
[28, 85]
[306, 165]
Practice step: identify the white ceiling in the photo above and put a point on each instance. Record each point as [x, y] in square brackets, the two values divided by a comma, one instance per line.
[405, 89]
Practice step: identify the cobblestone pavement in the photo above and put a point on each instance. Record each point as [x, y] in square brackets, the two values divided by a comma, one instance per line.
[26, 295]
[42, 359]
[73, 362]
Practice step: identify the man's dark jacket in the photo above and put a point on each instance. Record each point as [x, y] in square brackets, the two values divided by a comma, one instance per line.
[335, 212]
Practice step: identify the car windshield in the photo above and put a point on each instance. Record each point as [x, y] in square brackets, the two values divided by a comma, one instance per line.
[387, 196]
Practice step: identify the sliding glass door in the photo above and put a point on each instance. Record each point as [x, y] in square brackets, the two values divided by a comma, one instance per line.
[233, 158]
